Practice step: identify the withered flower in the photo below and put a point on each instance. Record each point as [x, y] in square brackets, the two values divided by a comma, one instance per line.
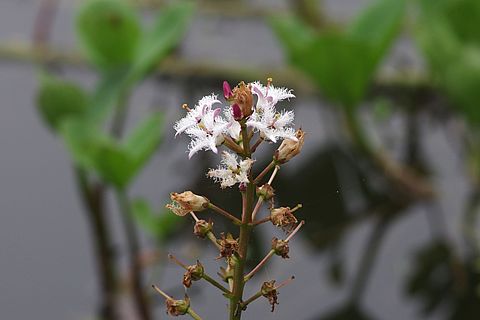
[283, 217]
[183, 203]
[202, 228]
[266, 191]
[177, 307]
[228, 245]
[194, 273]
[280, 247]
[243, 99]
[270, 292]
[290, 148]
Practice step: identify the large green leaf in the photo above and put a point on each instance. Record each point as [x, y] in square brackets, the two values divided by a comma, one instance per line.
[451, 46]
[378, 25]
[116, 163]
[343, 64]
[59, 99]
[165, 34]
[143, 141]
[109, 32]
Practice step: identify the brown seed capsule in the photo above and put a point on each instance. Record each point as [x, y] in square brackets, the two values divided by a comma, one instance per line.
[202, 228]
[193, 273]
[269, 292]
[243, 97]
[183, 203]
[228, 245]
[290, 148]
[283, 217]
[266, 191]
[280, 247]
[177, 307]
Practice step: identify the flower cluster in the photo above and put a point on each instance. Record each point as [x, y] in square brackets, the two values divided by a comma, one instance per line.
[208, 127]
[248, 117]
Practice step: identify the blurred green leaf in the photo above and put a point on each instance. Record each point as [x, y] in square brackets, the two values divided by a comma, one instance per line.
[109, 32]
[59, 99]
[117, 163]
[448, 34]
[343, 64]
[143, 141]
[158, 225]
[166, 33]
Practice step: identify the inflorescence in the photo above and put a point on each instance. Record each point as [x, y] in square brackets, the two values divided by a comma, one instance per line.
[240, 127]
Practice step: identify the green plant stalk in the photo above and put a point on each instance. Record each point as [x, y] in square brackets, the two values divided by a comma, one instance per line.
[193, 314]
[140, 299]
[93, 201]
[245, 230]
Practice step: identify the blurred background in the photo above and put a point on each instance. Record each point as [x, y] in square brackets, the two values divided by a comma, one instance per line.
[387, 91]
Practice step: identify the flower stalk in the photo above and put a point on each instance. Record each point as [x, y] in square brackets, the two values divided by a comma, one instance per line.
[245, 120]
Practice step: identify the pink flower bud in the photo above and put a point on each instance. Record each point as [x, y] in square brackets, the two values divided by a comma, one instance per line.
[227, 91]
[237, 112]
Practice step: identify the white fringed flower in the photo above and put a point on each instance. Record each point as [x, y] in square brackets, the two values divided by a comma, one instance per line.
[207, 134]
[271, 124]
[195, 116]
[231, 171]
[204, 125]
[269, 95]
[234, 128]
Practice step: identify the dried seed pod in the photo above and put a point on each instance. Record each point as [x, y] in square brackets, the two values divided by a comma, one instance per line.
[266, 191]
[270, 292]
[202, 228]
[194, 273]
[183, 203]
[283, 218]
[290, 148]
[177, 307]
[280, 247]
[228, 245]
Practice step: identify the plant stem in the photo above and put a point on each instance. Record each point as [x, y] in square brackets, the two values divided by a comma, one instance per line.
[245, 230]
[193, 314]
[216, 284]
[224, 213]
[93, 201]
[270, 166]
[369, 256]
[140, 298]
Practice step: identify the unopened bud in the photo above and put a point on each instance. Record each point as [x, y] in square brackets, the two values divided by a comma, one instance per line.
[237, 112]
[280, 247]
[290, 148]
[270, 292]
[202, 228]
[193, 273]
[177, 307]
[243, 97]
[266, 191]
[283, 217]
[227, 91]
[183, 203]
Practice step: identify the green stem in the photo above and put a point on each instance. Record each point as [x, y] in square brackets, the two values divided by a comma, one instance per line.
[93, 200]
[216, 284]
[257, 295]
[245, 230]
[193, 314]
[141, 302]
